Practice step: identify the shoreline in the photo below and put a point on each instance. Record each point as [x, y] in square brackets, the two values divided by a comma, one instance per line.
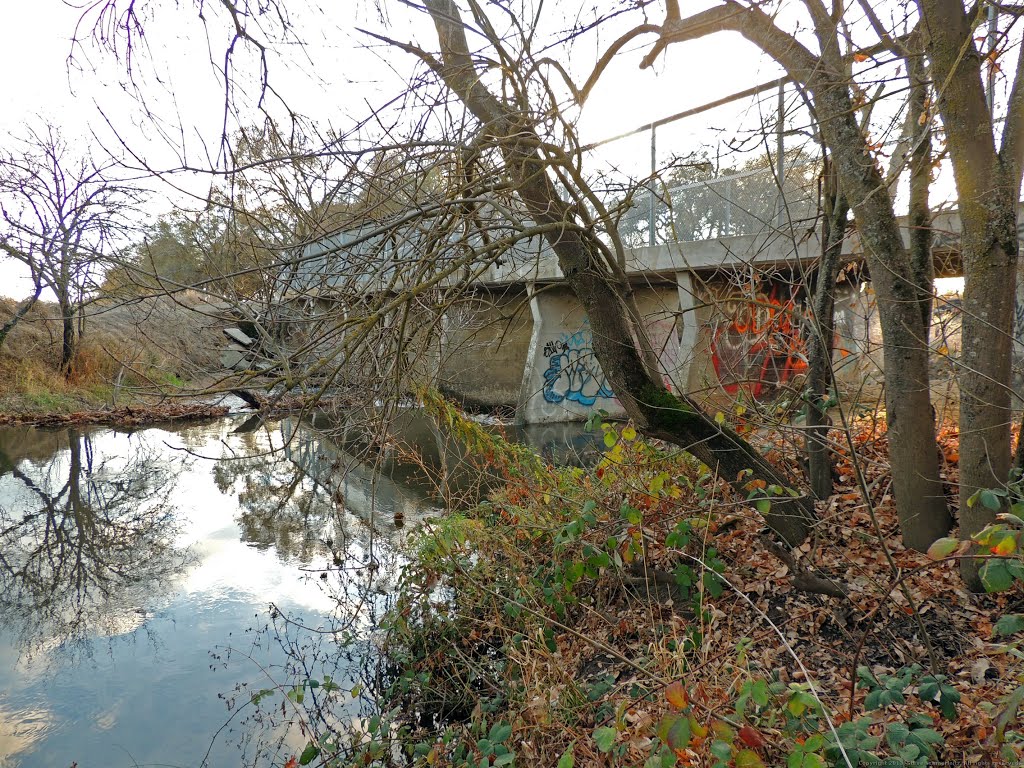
[127, 415]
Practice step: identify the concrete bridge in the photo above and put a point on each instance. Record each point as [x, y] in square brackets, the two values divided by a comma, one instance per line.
[726, 317]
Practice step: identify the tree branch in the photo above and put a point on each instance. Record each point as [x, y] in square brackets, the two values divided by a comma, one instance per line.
[755, 25]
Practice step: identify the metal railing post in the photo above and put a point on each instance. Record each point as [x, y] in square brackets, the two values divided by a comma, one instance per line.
[780, 152]
[651, 227]
[727, 229]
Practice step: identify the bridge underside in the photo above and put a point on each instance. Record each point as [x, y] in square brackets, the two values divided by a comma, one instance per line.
[723, 338]
[727, 317]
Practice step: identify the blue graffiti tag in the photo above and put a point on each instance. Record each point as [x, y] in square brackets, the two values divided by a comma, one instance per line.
[573, 372]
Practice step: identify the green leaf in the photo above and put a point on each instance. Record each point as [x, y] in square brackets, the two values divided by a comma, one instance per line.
[909, 753]
[764, 506]
[1015, 516]
[722, 750]
[567, 760]
[719, 418]
[995, 576]
[1009, 624]
[759, 693]
[309, 754]
[814, 743]
[712, 583]
[500, 732]
[605, 738]
[610, 439]
[943, 548]
[678, 736]
[507, 759]
[631, 515]
[989, 500]
[796, 707]
[261, 694]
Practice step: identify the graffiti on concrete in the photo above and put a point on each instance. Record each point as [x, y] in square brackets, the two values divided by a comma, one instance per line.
[757, 342]
[573, 372]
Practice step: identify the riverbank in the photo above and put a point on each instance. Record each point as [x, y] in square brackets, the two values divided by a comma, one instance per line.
[634, 613]
[128, 415]
[132, 353]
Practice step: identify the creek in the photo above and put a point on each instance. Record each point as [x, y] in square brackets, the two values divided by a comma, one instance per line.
[153, 579]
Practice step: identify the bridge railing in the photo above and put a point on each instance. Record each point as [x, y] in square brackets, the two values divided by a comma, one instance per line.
[748, 202]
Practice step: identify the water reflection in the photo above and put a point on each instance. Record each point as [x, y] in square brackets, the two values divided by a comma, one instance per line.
[86, 544]
[165, 548]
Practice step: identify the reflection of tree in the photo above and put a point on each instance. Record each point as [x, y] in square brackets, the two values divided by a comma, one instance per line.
[297, 487]
[282, 506]
[84, 545]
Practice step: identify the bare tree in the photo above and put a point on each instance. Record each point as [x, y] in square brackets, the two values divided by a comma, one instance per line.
[920, 501]
[63, 214]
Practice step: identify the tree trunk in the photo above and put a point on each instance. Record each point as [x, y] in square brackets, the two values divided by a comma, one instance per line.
[920, 502]
[67, 347]
[985, 395]
[655, 410]
[820, 344]
[920, 212]
[988, 184]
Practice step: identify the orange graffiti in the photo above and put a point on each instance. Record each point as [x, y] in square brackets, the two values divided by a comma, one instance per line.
[758, 344]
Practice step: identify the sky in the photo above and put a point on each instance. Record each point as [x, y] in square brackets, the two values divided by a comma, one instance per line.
[90, 96]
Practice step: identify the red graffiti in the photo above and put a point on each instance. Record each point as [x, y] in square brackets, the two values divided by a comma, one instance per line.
[757, 344]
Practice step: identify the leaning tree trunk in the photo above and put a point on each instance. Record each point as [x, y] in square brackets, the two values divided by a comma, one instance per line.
[20, 312]
[655, 410]
[820, 346]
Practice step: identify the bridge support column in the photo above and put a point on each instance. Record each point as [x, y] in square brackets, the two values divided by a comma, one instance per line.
[562, 380]
[688, 327]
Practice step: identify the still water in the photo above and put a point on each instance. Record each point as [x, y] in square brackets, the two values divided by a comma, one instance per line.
[150, 580]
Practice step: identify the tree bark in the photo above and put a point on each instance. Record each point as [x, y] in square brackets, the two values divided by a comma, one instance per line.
[67, 347]
[919, 212]
[656, 411]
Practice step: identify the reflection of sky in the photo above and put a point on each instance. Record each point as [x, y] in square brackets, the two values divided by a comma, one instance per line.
[150, 694]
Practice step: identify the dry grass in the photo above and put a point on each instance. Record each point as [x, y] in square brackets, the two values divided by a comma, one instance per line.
[129, 351]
